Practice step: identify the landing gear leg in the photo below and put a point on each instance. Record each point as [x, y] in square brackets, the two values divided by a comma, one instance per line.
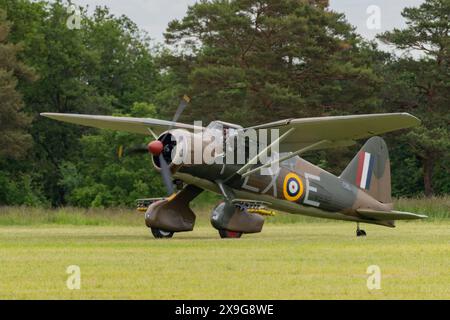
[360, 232]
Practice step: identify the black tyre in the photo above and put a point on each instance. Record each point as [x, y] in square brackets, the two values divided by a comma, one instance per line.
[159, 234]
[229, 234]
[360, 233]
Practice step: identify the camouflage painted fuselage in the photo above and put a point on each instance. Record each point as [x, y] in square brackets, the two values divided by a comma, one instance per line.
[315, 192]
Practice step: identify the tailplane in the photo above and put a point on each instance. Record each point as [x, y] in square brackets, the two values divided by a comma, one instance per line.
[389, 215]
[370, 170]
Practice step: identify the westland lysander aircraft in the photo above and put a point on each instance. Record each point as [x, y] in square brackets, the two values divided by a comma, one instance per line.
[362, 193]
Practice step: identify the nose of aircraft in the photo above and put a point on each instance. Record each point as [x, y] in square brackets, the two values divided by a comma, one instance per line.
[155, 147]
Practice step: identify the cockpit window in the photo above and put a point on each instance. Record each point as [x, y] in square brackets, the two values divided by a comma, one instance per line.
[219, 125]
[218, 128]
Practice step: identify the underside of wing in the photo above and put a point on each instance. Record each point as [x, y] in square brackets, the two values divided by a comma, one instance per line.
[127, 124]
[389, 215]
[339, 131]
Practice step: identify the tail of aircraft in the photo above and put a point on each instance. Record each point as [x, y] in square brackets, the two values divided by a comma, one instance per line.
[370, 170]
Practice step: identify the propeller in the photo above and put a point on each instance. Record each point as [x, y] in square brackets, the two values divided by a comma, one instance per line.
[138, 149]
[166, 175]
[156, 148]
[183, 104]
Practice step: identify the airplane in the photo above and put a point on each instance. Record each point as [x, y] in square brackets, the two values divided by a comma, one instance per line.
[360, 194]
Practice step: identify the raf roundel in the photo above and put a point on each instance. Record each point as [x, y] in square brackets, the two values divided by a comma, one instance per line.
[292, 187]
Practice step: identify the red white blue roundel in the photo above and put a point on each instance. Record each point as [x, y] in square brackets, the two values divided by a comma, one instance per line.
[292, 187]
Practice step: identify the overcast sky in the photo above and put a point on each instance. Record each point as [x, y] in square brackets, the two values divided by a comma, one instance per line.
[154, 15]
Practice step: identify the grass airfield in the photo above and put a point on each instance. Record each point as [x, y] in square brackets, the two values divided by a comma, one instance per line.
[303, 260]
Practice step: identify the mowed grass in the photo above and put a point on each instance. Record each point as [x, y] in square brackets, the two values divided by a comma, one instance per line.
[322, 260]
[295, 257]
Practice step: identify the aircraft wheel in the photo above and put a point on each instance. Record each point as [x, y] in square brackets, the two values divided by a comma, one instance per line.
[229, 234]
[361, 233]
[158, 233]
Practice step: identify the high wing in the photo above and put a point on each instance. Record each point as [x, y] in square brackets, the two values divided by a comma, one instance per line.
[334, 131]
[337, 131]
[128, 124]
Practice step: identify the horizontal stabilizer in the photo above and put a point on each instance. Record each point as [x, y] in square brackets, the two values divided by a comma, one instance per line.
[389, 215]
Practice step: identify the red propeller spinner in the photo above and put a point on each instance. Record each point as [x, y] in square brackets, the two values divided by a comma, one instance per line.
[155, 147]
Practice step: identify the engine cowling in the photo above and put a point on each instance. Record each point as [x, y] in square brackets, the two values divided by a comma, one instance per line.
[177, 147]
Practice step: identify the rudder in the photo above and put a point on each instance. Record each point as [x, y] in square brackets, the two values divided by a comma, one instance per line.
[370, 170]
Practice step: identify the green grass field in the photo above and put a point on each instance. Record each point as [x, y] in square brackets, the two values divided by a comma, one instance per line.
[293, 258]
[292, 261]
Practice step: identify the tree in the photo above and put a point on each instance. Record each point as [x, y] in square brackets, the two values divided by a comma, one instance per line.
[248, 60]
[102, 68]
[101, 178]
[125, 69]
[13, 121]
[422, 85]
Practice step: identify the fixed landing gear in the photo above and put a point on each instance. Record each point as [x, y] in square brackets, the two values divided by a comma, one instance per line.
[159, 234]
[229, 234]
[360, 232]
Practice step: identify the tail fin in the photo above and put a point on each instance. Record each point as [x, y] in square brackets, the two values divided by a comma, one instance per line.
[370, 170]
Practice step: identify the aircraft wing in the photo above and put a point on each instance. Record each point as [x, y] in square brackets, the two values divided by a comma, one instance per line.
[339, 131]
[128, 124]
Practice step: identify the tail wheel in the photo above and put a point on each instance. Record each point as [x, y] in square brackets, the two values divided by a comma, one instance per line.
[229, 234]
[361, 233]
[158, 233]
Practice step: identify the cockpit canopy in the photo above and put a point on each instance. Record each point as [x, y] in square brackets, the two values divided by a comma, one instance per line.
[219, 127]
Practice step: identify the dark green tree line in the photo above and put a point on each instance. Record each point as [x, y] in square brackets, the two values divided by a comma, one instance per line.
[422, 86]
[243, 61]
[253, 61]
[104, 67]
[13, 121]
[248, 60]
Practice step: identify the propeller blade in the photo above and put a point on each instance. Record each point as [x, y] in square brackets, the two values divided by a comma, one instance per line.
[183, 104]
[165, 171]
[120, 151]
[138, 149]
[166, 175]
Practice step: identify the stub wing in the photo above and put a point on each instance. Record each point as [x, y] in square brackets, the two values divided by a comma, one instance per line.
[340, 131]
[389, 215]
[127, 124]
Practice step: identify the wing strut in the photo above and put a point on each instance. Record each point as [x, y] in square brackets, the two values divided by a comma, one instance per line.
[255, 159]
[291, 155]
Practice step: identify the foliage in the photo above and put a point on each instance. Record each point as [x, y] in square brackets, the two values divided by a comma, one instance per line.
[101, 179]
[243, 61]
[422, 86]
[103, 68]
[13, 121]
[246, 60]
